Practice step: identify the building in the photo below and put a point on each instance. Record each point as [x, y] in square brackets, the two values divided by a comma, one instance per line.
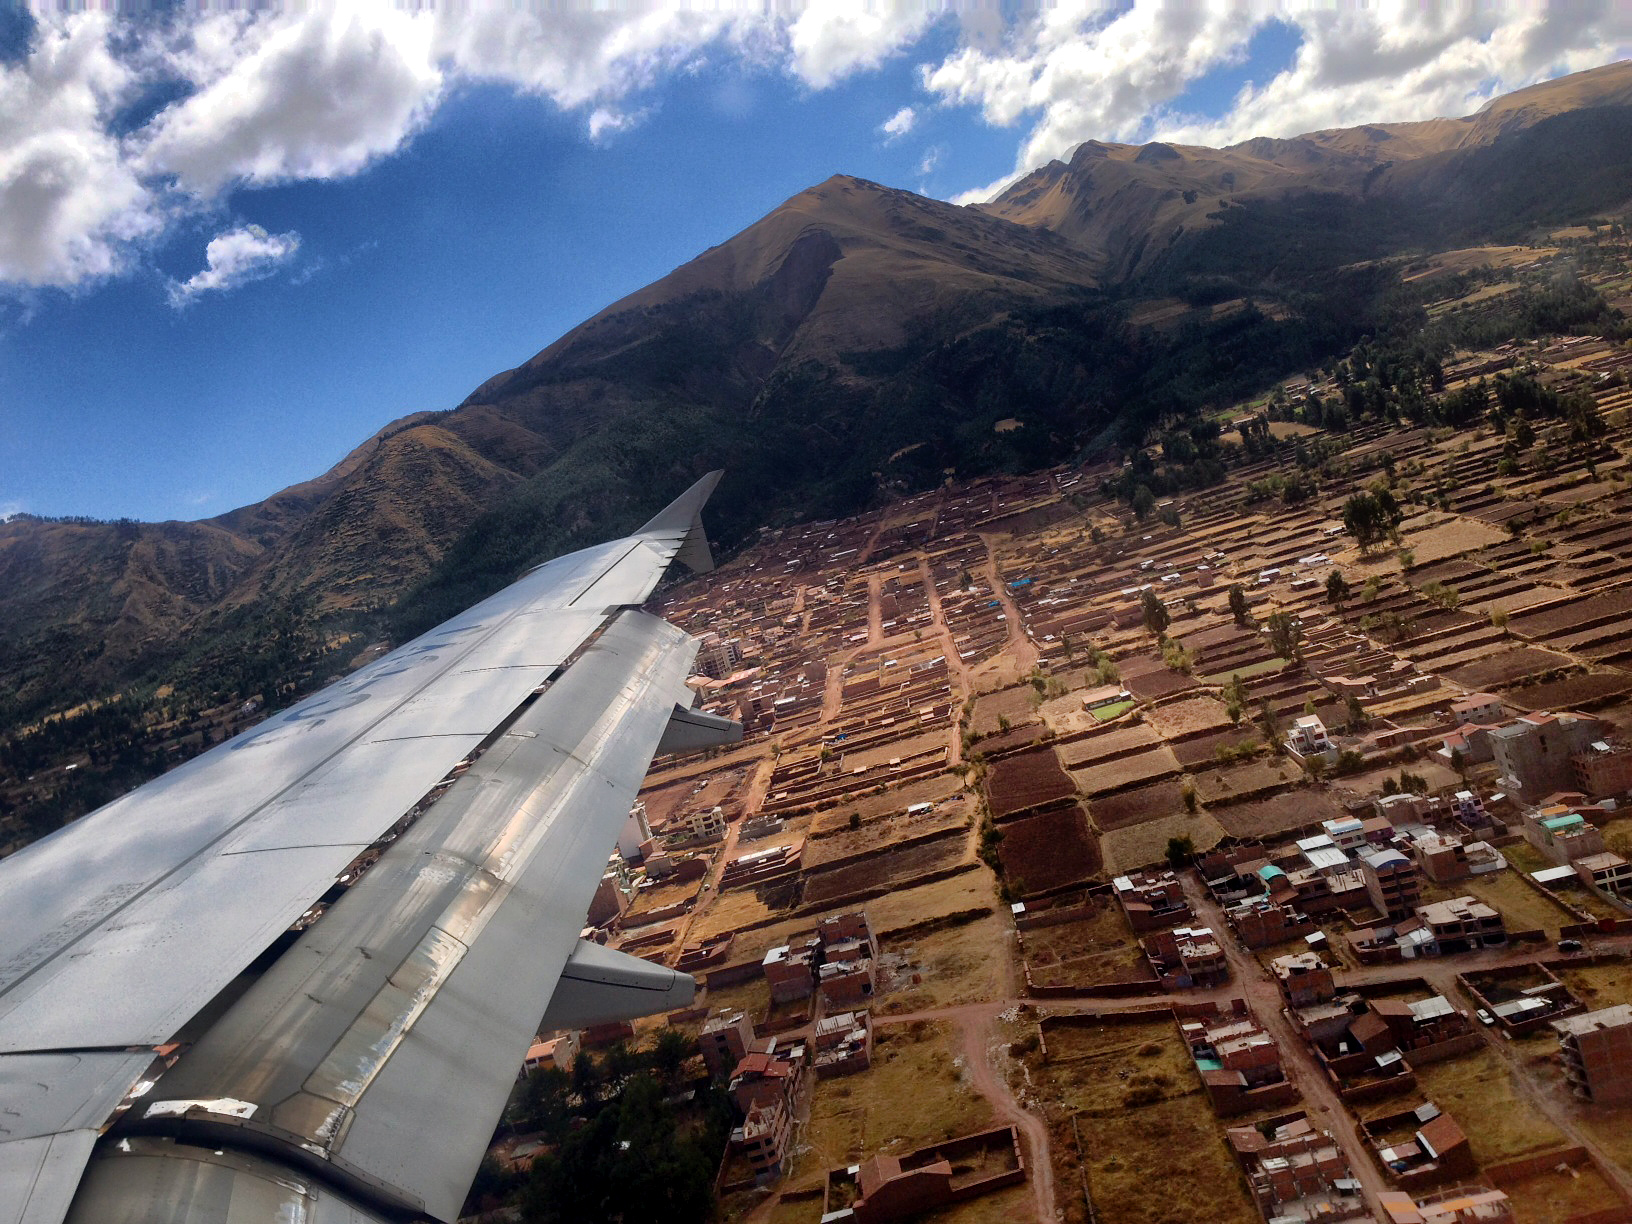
[1608, 873]
[1304, 978]
[1560, 833]
[763, 1138]
[1262, 923]
[1535, 754]
[765, 1090]
[883, 1189]
[637, 831]
[1186, 957]
[718, 657]
[1602, 770]
[558, 1052]
[706, 824]
[1464, 1205]
[791, 970]
[1308, 737]
[1468, 808]
[1296, 1172]
[1391, 882]
[1239, 1064]
[1462, 924]
[1596, 1049]
[613, 895]
[725, 1040]
[845, 983]
[1421, 1024]
[1483, 708]
[844, 1044]
[1419, 1146]
[1348, 833]
[1151, 899]
[1320, 853]
[847, 928]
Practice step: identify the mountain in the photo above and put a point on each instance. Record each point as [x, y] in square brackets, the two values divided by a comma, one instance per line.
[1138, 208]
[858, 338]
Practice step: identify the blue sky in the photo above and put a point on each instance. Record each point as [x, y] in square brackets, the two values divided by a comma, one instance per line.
[232, 294]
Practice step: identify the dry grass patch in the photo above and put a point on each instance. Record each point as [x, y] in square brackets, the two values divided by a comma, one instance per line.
[1102, 1069]
[1090, 952]
[1007, 1205]
[1143, 844]
[1012, 706]
[1499, 1119]
[1108, 743]
[1192, 714]
[1557, 1197]
[1127, 771]
[958, 895]
[961, 964]
[915, 1093]
[1221, 786]
[1452, 539]
[1599, 985]
[731, 911]
[1162, 1164]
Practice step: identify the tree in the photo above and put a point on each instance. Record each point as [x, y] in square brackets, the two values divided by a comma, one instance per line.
[1356, 713]
[1144, 501]
[1337, 588]
[669, 1054]
[1155, 613]
[1459, 762]
[1370, 516]
[1285, 634]
[1180, 850]
[1238, 605]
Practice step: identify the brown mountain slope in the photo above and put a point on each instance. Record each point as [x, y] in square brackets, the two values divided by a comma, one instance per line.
[1127, 203]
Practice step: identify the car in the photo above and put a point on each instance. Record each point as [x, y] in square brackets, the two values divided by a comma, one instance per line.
[1569, 945]
[1485, 1017]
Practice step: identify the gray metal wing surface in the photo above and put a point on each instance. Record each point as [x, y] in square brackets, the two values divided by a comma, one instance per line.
[422, 984]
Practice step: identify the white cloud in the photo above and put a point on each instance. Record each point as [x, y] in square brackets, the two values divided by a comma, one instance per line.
[10, 510]
[234, 257]
[830, 41]
[70, 205]
[1082, 71]
[316, 95]
[930, 159]
[898, 124]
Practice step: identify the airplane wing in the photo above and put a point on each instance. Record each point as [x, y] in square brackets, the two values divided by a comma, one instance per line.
[360, 1076]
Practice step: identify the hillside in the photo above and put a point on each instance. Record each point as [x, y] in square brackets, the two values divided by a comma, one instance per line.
[859, 340]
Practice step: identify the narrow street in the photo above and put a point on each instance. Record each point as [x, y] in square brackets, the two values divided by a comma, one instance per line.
[1252, 982]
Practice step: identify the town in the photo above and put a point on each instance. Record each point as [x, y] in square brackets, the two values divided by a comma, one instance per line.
[1213, 857]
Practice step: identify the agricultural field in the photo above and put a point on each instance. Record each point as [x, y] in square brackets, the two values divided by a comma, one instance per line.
[897, 867]
[1048, 851]
[1088, 952]
[1026, 780]
[1141, 1122]
[965, 962]
[916, 1092]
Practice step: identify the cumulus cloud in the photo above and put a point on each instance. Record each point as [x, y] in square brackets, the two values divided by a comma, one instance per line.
[898, 124]
[70, 203]
[234, 257]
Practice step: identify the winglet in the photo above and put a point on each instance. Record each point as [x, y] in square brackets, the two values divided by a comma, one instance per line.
[684, 514]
